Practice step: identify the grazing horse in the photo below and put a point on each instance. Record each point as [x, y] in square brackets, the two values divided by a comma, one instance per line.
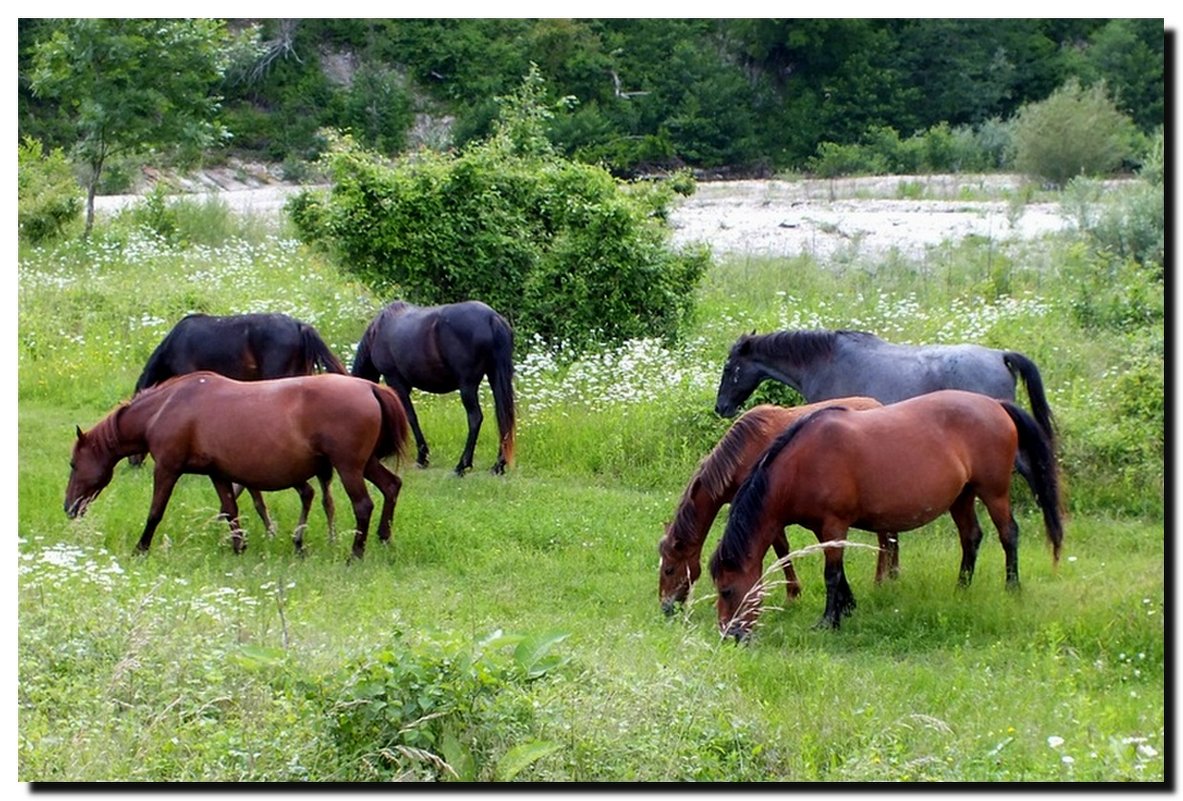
[265, 435]
[246, 347]
[441, 349]
[826, 364]
[884, 470]
[714, 483]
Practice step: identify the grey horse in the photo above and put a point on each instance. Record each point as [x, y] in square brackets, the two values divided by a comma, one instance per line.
[823, 364]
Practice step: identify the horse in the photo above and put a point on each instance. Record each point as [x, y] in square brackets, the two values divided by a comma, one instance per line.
[265, 435]
[824, 364]
[714, 483]
[246, 347]
[440, 349]
[890, 470]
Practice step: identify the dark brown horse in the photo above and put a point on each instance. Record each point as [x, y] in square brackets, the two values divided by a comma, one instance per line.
[265, 435]
[442, 349]
[885, 470]
[246, 347]
[715, 482]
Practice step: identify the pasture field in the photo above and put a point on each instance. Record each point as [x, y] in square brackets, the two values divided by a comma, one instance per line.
[511, 629]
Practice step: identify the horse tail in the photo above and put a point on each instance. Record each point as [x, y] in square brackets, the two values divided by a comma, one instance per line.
[501, 381]
[748, 502]
[317, 353]
[392, 439]
[363, 364]
[1021, 366]
[1043, 475]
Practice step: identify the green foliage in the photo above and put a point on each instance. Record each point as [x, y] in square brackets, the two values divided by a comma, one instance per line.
[1075, 131]
[411, 711]
[49, 200]
[561, 248]
[131, 85]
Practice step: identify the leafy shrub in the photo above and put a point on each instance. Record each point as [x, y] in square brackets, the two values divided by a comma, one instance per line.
[562, 249]
[1075, 131]
[833, 160]
[49, 199]
[438, 710]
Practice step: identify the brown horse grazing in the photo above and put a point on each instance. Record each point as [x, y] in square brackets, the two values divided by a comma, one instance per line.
[265, 435]
[714, 483]
[246, 347]
[884, 470]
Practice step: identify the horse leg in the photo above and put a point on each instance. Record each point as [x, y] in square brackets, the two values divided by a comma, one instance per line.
[780, 545]
[839, 598]
[260, 507]
[404, 395]
[472, 406]
[305, 492]
[887, 565]
[363, 507]
[389, 485]
[163, 481]
[227, 497]
[326, 499]
[966, 519]
[998, 507]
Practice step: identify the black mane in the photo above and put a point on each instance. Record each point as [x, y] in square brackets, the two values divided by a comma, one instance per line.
[749, 500]
[802, 348]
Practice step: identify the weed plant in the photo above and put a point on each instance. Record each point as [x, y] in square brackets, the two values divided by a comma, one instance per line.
[511, 628]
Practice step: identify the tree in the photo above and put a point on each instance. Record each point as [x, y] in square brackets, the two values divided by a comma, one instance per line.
[132, 85]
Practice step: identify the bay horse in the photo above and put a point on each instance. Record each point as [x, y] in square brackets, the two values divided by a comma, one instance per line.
[824, 364]
[265, 435]
[442, 349]
[246, 347]
[890, 470]
[714, 484]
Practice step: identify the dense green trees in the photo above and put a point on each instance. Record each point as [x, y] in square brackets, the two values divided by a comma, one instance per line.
[128, 85]
[745, 94]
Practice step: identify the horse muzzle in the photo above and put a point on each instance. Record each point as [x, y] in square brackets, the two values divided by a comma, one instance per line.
[741, 634]
[669, 606]
[725, 409]
[78, 508]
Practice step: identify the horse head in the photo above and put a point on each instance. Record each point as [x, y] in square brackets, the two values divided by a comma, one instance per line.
[678, 569]
[741, 376]
[739, 594]
[91, 468]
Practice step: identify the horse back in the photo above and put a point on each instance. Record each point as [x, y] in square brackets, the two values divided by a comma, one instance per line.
[901, 465]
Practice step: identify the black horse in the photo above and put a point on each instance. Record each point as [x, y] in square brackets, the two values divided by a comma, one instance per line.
[245, 347]
[441, 349]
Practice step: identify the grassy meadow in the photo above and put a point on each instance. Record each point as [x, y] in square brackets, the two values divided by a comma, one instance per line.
[511, 630]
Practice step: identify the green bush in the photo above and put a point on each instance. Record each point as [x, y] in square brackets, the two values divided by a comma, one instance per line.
[1075, 131]
[49, 199]
[562, 249]
[438, 710]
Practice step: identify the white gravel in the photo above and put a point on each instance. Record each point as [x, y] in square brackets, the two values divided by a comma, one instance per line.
[853, 216]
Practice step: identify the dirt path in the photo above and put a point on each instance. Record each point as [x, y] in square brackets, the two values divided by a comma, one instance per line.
[777, 218]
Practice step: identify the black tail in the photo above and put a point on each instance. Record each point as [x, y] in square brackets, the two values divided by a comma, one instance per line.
[1043, 476]
[317, 353]
[1023, 367]
[363, 365]
[501, 380]
[748, 502]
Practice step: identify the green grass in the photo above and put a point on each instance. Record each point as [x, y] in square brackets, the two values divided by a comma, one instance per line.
[195, 664]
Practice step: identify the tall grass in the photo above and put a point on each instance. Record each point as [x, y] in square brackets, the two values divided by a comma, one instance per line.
[192, 663]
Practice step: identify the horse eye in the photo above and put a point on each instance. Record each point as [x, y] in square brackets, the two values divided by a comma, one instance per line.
[669, 571]
[726, 594]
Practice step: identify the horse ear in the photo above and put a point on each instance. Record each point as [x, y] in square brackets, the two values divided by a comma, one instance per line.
[78, 431]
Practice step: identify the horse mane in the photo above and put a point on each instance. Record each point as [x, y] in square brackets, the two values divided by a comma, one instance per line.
[801, 348]
[749, 499]
[717, 468]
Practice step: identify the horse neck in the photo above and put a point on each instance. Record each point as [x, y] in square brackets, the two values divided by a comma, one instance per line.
[128, 425]
[696, 512]
[782, 368]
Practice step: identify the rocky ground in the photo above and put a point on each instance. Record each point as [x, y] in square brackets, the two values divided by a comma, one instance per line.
[869, 216]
